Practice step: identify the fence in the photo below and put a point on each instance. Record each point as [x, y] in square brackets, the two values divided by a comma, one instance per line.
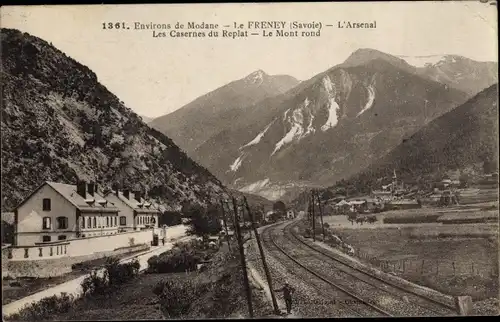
[41, 251]
[78, 247]
[425, 267]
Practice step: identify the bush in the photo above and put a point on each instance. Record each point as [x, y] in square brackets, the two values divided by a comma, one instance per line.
[45, 308]
[177, 296]
[121, 273]
[183, 257]
[95, 284]
[114, 274]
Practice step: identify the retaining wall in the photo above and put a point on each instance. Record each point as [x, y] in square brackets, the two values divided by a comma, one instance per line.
[75, 251]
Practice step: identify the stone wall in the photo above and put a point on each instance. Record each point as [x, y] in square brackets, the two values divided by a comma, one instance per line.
[60, 266]
[75, 251]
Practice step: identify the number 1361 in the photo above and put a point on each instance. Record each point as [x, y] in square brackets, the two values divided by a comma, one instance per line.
[113, 25]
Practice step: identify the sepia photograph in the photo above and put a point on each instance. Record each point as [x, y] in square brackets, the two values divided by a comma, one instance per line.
[249, 160]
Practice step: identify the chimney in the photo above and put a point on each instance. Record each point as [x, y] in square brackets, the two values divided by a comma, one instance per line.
[90, 188]
[137, 196]
[116, 190]
[126, 193]
[81, 188]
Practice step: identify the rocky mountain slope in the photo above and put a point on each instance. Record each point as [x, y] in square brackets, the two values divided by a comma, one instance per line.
[326, 128]
[466, 137]
[464, 140]
[459, 72]
[59, 123]
[191, 125]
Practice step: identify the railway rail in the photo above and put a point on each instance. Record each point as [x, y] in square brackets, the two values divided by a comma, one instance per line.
[373, 295]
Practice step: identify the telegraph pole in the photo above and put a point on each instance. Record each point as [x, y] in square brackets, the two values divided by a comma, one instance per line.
[242, 258]
[313, 216]
[321, 215]
[262, 256]
[225, 225]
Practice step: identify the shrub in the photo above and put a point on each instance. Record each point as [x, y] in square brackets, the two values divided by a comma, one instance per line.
[114, 274]
[121, 273]
[95, 284]
[45, 308]
[183, 257]
[177, 296]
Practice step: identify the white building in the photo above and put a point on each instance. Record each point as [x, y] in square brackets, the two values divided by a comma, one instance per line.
[135, 212]
[57, 211]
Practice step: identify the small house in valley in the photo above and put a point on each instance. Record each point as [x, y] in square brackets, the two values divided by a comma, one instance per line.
[57, 211]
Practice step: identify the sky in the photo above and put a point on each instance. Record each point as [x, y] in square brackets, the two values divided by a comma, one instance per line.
[156, 76]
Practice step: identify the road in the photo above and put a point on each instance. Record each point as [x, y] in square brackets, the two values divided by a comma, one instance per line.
[74, 286]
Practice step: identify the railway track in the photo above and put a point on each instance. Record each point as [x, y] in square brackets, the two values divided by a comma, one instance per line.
[435, 306]
[371, 295]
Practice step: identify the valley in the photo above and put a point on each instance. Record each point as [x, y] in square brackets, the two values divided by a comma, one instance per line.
[299, 180]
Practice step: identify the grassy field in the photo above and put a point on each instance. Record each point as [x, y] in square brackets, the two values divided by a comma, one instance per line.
[447, 256]
[453, 265]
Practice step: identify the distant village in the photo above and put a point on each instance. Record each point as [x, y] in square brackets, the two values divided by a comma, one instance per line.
[398, 196]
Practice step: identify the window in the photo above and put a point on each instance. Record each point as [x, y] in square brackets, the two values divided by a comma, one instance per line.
[107, 221]
[46, 239]
[61, 237]
[46, 204]
[46, 222]
[123, 221]
[95, 222]
[116, 221]
[62, 222]
[89, 222]
[82, 221]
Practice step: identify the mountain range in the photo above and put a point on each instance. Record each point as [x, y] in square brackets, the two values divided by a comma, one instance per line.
[60, 124]
[333, 125]
[208, 115]
[464, 141]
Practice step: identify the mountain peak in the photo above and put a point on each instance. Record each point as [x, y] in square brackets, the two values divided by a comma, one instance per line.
[256, 77]
[364, 55]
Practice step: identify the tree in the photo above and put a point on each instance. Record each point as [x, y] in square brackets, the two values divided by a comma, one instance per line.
[352, 216]
[279, 207]
[203, 222]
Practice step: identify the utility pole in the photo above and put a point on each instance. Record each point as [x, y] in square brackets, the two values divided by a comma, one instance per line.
[262, 256]
[225, 225]
[242, 258]
[321, 215]
[313, 216]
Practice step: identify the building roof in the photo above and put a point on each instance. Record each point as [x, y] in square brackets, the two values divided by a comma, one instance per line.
[357, 202]
[403, 202]
[68, 191]
[381, 192]
[342, 203]
[121, 201]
